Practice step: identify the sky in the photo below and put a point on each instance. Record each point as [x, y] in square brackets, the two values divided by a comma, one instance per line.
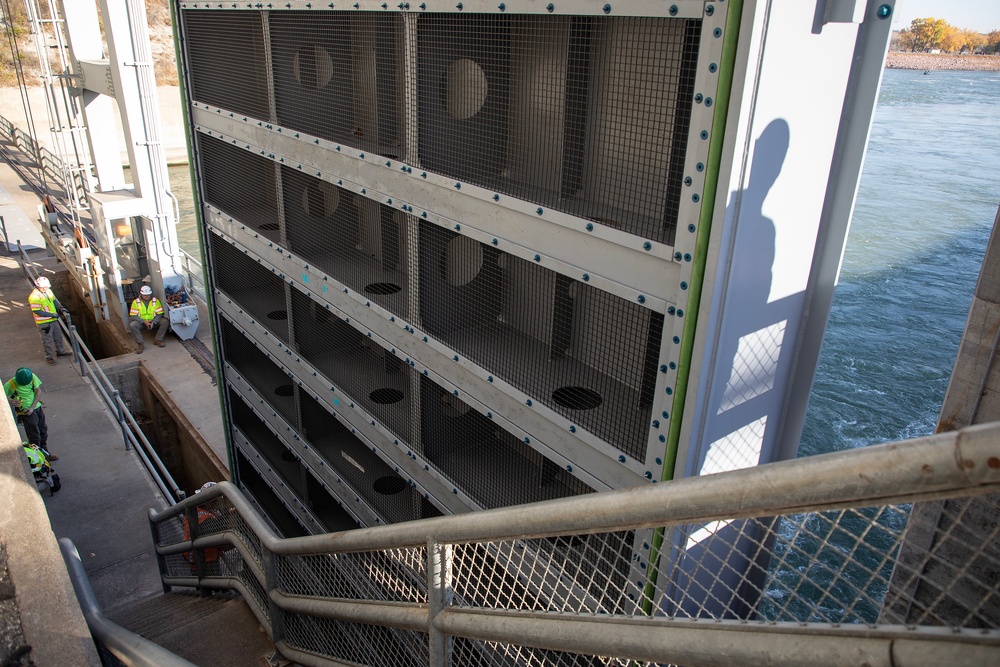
[979, 15]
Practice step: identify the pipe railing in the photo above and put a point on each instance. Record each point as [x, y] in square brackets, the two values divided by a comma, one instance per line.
[126, 646]
[132, 434]
[294, 583]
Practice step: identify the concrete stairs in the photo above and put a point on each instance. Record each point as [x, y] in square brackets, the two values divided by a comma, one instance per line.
[208, 630]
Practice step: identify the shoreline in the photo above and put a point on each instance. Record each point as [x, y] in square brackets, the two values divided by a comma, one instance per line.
[942, 61]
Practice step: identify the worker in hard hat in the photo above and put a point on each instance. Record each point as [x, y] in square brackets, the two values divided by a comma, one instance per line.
[23, 392]
[45, 307]
[147, 313]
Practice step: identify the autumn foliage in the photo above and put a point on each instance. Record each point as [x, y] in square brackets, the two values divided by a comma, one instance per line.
[932, 33]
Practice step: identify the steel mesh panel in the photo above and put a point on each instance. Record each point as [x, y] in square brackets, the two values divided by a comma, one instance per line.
[589, 355]
[326, 508]
[840, 567]
[369, 645]
[487, 462]
[282, 460]
[364, 370]
[337, 76]
[586, 574]
[241, 184]
[268, 380]
[227, 61]
[382, 488]
[395, 575]
[587, 115]
[357, 241]
[493, 654]
[252, 484]
[257, 291]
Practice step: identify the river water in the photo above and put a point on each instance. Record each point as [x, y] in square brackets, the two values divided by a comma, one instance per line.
[928, 197]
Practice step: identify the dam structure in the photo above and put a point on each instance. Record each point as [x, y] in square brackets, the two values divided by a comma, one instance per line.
[514, 310]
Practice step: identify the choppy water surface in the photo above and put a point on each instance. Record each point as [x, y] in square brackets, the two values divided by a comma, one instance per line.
[925, 208]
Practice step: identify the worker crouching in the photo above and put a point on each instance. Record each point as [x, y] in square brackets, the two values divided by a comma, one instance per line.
[147, 314]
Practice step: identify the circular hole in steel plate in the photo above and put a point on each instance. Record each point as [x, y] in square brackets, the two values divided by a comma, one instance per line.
[577, 398]
[386, 395]
[462, 260]
[465, 88]
[380, 289]
[278, 315]
[284, 390]
[389, 485]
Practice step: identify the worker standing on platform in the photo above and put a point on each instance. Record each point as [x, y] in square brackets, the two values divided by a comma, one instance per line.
[23, 391]
[45, 307]
[147, 312]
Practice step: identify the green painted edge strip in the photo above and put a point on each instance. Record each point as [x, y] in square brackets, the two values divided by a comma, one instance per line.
[724, 92]
[188, 137]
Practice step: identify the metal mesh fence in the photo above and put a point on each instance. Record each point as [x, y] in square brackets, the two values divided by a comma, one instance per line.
[587, 354]
[251, 482]
[587, 115]
[398, 575]
[905, 570]
[578, 574]
[495, 654]
[355, 643]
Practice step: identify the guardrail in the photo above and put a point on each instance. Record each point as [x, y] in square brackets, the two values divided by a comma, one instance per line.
[127, 647]
[194, 275]
[840, 550]
[132, 434]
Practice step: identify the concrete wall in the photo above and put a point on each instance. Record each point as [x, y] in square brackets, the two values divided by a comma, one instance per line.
[50, 616]
[171, 119]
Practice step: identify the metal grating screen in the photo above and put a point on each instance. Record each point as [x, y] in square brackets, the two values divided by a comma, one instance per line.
[268, 447]
[337, 76]
[586, 115]
[241, 184]
[581, 114]
[359, 242]
[360, 368]
[271, 383]
[587, 354]
[227, 61]
[396, 575]
[383, 489]
[487, 462]
[254, 485]
[259, 293]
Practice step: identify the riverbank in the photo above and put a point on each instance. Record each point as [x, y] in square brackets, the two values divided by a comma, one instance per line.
[942, 61]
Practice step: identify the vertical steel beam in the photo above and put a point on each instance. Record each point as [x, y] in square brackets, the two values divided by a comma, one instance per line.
[439, 597]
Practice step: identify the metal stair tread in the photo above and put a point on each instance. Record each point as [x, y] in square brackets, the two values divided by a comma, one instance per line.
[156, 615]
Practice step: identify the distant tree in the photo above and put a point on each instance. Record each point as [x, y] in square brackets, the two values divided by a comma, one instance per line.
[928, 33]
[905, 40]
[992, 42]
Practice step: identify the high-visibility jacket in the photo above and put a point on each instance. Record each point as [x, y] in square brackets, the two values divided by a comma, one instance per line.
[146, 311]
[43, 306]
[211, 553]
[27, 395]
[36, 458]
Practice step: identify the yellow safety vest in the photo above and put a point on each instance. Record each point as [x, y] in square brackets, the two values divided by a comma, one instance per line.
[145, 311]
[40, 302]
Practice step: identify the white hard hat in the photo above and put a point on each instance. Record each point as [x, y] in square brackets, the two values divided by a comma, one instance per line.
[145, 291]
[42, 283]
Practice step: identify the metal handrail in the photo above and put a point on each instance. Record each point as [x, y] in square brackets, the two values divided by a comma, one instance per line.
[947, 465]
[127, 646]
[132, 434]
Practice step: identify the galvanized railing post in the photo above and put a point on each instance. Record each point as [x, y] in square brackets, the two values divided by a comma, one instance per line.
[193, 531]
[274, 612]
[161, 561]
[116, 397]
[74, 337]
[439, 597]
